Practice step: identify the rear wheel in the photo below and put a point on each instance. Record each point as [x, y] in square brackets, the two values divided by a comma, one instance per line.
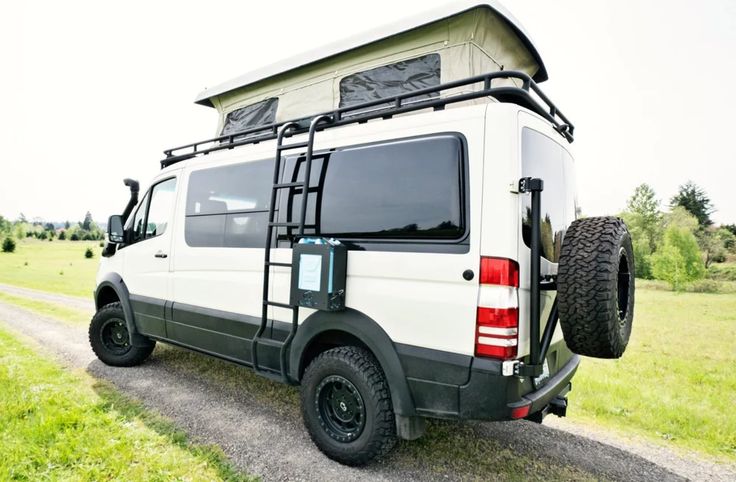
[595, 287]
[347, 406]
[110, 340]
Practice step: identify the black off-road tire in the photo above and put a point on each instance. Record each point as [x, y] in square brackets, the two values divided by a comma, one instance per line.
[108, 336]
[365, 376]
[595, 287]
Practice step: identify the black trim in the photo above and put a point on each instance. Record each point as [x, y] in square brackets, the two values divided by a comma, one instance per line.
[115, 282]
[149, 315]
[368, 332]
[423, 381]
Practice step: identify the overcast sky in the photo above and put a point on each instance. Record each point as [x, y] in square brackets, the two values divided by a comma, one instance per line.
[94, 91]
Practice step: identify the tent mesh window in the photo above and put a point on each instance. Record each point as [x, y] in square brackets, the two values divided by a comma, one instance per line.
[254, 115]
[390, 80]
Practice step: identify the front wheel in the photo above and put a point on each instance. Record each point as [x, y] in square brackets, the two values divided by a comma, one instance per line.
[110, 340]
[346, 406]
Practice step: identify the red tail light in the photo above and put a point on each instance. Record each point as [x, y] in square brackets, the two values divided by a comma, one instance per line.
[499, 271]
[497, 320]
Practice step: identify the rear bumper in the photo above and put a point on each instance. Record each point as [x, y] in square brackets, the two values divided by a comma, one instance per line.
[558, 384]
[491, 396]
[445, 385]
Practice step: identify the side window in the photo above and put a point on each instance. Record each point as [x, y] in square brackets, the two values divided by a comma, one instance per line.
[390, 80]
[405, 190]
[163, 197]
[228, 206]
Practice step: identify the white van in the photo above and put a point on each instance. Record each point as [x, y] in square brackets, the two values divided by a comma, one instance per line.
[453, 198]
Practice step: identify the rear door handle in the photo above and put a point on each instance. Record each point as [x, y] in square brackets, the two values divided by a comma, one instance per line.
[161, 254]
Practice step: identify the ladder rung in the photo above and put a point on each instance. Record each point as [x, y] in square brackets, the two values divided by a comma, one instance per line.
[297, 145]
[288, 184]
[278, 305]
[270, 342]
[284, 225]
[283, 265]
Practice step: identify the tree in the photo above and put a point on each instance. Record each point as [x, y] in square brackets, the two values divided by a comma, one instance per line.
[678, 261]
[62, 235]
[730, 227]
[5, 226]
[87, 223]
[67, 225]
[728, 238]
[691, 197]
[8, 245]
[644, 220]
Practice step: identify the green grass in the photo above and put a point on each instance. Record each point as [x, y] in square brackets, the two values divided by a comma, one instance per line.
[56, 425]
[45, 308]
[677, 380]
[57, 266]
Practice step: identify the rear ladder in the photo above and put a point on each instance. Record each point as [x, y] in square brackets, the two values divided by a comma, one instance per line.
[259, 340]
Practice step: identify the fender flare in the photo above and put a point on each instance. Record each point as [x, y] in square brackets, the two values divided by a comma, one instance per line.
[116, 283]
[367, 331]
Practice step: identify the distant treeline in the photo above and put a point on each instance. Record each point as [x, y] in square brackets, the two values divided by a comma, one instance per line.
[21, 228]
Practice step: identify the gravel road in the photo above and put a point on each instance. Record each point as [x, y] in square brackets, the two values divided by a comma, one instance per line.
[262, 433]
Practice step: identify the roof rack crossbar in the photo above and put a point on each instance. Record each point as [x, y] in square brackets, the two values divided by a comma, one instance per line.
[528, 95]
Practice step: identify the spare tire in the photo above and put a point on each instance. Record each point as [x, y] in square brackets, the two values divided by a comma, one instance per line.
[595, 287]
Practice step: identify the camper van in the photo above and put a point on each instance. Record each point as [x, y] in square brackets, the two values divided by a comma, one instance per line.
[388, 222]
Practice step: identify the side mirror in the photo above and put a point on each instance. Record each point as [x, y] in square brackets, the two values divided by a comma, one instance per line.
[115, 230]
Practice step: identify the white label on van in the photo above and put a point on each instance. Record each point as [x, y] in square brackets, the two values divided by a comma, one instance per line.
[310, 272]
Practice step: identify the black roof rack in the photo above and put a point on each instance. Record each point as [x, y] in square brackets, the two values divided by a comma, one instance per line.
[529, 95]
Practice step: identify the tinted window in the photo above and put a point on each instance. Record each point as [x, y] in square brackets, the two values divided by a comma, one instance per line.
[251, 116]
[228, 206]
[390, 80]
[161, 207]
[544, 158]
[408, 189]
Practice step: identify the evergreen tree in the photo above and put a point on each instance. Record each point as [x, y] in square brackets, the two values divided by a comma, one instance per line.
[693, 198]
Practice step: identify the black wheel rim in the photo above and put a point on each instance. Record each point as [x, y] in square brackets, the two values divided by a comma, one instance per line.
[114, 335]
[340, 408]
[624, 283]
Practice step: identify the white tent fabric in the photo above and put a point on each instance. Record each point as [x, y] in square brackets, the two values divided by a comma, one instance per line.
[472, 41]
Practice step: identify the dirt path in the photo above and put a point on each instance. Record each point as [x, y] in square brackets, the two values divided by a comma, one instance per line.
[83, 304]
[263, 434]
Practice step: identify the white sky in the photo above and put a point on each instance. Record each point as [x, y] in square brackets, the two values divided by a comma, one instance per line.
[93, 91]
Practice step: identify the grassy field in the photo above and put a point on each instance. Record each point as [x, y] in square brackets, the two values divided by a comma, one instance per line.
[56, 425]
[56, 266]
[677, 380]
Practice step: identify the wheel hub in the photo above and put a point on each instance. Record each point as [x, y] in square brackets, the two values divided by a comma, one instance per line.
[340, 408]
[114, 335]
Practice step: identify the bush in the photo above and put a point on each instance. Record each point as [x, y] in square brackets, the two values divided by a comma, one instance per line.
[722, 272]
[74, 237]
[678, 261]
[704, 286]
[89, 253]
[62, 235]
[8, 245]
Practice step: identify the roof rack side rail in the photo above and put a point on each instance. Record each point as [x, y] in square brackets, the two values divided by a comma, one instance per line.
[529, 95]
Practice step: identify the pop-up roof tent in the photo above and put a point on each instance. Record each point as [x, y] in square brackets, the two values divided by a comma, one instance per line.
[454, 42]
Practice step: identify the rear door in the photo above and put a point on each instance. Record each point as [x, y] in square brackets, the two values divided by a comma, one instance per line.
[542, 156]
